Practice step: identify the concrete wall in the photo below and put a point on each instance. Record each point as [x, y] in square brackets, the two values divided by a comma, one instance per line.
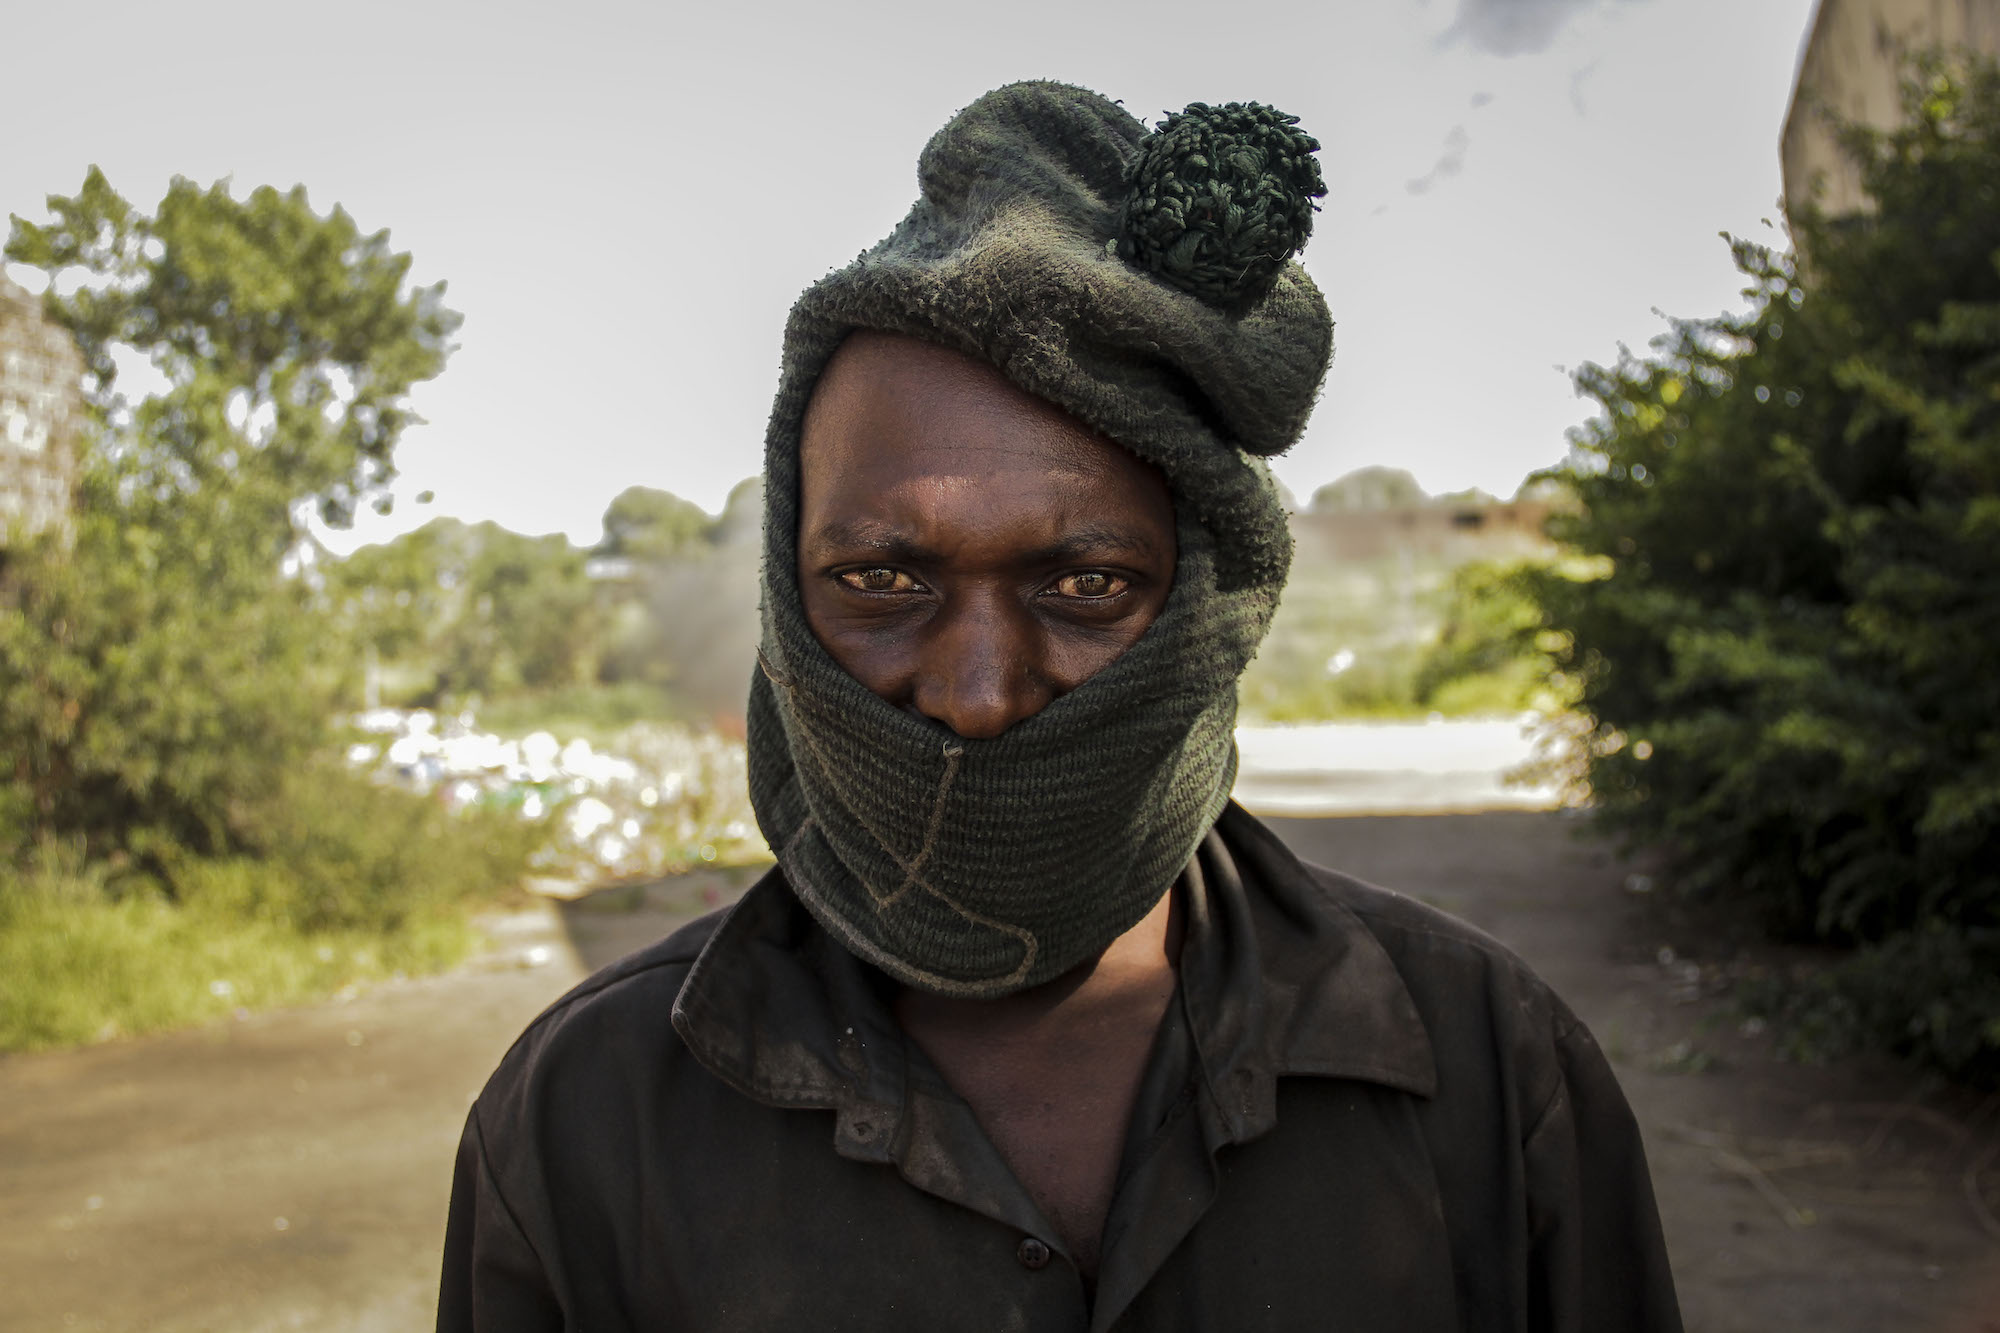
[41, 409]
[1849, 64]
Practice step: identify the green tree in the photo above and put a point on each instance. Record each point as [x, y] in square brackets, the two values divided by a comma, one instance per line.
[528, 618]
[290, 342]
[1784, 647]
[472, 611]
[394, 597]
[682, 614]
[162, 670]
[645, 524]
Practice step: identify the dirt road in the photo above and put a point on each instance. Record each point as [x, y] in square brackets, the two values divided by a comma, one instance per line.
[290, 1170]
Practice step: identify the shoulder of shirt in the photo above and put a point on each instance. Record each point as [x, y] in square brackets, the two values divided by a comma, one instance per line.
[1389, 910]
[1454, 970]
[634, 995]
[1431, 948]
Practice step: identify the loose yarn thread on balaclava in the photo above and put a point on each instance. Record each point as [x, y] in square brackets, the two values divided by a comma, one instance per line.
[1044, 243]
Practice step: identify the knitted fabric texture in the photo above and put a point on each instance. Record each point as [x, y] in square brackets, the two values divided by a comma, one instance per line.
[1221, 198]
[982, 867]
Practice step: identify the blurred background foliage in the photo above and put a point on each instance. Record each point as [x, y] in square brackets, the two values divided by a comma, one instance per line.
[182, 830]
[1404, 604]
[458, 612]
[658, 619]
[1402, 636]
[1783, 647]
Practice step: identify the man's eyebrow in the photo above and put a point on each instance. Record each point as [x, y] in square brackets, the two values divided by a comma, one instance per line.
[866, 535]
[1095, 541]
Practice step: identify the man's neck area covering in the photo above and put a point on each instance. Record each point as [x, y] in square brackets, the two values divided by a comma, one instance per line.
[1143, 282]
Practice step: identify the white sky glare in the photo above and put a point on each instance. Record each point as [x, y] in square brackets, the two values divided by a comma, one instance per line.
[626, 198]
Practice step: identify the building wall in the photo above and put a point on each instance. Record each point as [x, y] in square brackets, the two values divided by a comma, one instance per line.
[1849, 64]
[1454, 534]
[41, 409]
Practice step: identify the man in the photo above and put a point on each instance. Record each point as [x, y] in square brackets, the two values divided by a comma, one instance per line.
[1030, 1028]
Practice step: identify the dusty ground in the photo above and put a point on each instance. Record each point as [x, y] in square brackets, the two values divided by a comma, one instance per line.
[290, 1170]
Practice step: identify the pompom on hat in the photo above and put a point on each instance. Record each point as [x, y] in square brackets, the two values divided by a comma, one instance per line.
[1220, 199]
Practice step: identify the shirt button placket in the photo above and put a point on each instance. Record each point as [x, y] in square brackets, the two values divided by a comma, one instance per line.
[1032, 1253]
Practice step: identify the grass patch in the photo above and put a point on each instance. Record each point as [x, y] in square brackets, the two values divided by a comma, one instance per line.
[335, 881]
[77, 967]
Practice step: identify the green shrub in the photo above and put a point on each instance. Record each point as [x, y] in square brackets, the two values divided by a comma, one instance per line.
[147, 683]
[1394, 638]
[1783, 647]
[329, 849]
[1493, 651]
[1932, 993]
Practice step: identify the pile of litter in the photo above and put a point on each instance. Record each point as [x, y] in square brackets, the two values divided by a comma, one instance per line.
[661, 797]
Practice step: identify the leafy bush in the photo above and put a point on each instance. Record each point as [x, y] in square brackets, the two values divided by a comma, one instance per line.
[148, 680]
[1493, 653]
[328, 849]
[1933, 993]
[1393, 638]
[1784, 646]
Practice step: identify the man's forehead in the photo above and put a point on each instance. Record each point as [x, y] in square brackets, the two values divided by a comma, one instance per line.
[892, 378]
[895, 406]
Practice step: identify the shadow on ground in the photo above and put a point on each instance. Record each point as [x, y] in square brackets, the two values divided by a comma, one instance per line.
[608, 923]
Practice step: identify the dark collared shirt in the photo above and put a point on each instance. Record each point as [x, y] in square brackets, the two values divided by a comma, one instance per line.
[1359, 1114]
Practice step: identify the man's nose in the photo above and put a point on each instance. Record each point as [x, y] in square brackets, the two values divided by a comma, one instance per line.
[981, 670]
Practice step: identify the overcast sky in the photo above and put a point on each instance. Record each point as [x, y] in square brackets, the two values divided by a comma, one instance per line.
[625, 198]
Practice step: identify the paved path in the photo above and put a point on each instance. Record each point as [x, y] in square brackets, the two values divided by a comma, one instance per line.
[290, 1171]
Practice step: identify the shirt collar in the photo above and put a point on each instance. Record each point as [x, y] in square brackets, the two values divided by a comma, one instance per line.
[1278, 976]
[1288, 981]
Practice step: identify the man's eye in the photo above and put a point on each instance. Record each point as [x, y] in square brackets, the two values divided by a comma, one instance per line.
[879, 580]
[1090, 585]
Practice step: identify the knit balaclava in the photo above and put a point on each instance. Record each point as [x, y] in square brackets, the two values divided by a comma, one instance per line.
[1142, 282]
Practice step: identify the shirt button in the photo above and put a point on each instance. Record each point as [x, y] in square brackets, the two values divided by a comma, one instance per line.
[1032, 1253]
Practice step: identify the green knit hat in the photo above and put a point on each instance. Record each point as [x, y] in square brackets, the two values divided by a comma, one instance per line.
[1140, 281]
[1144, 283]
